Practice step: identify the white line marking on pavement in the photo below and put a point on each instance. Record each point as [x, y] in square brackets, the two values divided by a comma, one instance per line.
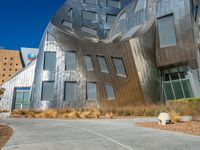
[98, 134]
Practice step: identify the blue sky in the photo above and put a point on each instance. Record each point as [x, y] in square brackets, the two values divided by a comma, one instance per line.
[22, 22]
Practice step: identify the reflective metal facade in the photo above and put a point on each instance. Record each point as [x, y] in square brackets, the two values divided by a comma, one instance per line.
[128, 90]
[185, 51]
[127, 30]
[24, 78]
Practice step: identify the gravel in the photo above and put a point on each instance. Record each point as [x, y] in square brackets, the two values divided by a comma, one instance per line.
[5, 133]
[191, 127]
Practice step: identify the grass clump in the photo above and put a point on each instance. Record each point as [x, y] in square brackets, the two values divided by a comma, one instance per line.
[176, 109]
[3, 111]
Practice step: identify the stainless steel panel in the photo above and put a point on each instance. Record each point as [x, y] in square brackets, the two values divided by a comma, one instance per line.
[22, 79]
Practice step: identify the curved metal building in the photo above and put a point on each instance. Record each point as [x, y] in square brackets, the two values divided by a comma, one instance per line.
[114, 53]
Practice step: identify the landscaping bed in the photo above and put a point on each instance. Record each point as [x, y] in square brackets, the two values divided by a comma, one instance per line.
[5, 133]
[190, 127]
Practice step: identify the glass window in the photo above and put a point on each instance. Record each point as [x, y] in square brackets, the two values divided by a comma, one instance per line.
[177, 89]
[47, 90]
[140, 5]
[89, 30]
[19, 97]
[25, 106]
[26, 97]
[18, 106]
[67, 24]
[70, 91]
[187, 88]
[168, 91]
[69, 14]
[174, 76]
[166, 77]
[183, 75]
[109, 91]
[89, 15]
[102, 63]
[111, 18]
[88, 63]
[70, 61]
[93, 2]
[49, 61]
[114, 3]
[22, 98]
[119, 66]
[163, 95]
[91, 91]
[166, 31]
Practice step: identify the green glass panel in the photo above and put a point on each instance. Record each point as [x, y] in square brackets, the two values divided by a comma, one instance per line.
[163, 95]
[187, 88]
[168, 91]
[177, 89]
[17, 106]
[25, 106]
[26, 97]
[19, 97]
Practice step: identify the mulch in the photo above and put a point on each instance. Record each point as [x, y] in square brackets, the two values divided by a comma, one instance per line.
[191, 127]
[5, 134]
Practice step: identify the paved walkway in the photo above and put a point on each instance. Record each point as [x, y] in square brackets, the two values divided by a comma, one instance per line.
[43, 134]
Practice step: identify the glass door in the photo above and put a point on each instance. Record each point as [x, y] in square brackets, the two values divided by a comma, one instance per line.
[22, 98]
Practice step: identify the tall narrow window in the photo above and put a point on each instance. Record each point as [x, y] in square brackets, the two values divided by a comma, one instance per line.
[91, 91]
[47, 90]
[119, 66]
[109, 91]
[67, 24]
[89, 15]
[114, 3]
[49, 61]
[167, 31]
[70, 91]
[88, 63]
[102, 63]
[93, 2]
[89, 30]
[70, 61]
[69, 14]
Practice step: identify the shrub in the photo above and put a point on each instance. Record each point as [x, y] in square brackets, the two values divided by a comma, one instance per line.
[73, 115]
[97, 114]
[109, 115]
[175, 117]
[3, 111]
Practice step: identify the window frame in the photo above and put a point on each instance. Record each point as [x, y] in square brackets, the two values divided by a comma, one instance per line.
[119, 58]
[75, 82]
[159, 33]
[44, 61]
[102, 56]
[43, 91]
[112, 98]
[92, 12]
[66, 68]
[91, 63]
[108, 5]
[112, 15]
[93, 82]
[84, 1]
